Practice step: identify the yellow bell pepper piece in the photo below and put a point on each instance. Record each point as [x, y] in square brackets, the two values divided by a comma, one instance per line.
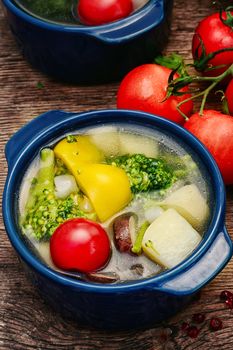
[107, 187]
[77, 149]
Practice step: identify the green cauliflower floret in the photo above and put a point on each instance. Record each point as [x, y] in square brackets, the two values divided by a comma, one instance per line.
[43, 211]
[145, 174]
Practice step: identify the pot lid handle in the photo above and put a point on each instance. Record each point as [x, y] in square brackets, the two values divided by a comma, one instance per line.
[143, 20]
[202, 272]
[31, 130]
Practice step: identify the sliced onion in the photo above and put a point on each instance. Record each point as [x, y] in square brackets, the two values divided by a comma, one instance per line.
[65, 185]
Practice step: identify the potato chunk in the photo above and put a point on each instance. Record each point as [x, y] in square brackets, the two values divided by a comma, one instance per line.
[106, 139]
[131, 144]
[169, 239]
[189, 202]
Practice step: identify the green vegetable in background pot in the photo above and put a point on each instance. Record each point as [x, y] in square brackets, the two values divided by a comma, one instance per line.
[52, 9]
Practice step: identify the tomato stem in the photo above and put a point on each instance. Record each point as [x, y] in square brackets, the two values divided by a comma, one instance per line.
[229, 18]
[202, 64]
[205, 93]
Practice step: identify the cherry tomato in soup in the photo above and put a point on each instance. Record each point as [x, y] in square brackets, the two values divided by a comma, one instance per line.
[97, 12]
[80, 244]
[215, 131]
[211, 35]
[145, 89]
[229, 97]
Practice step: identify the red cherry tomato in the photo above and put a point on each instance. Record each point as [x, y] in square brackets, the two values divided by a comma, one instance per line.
[229, 96]
[97, 12]
[215, 131]
[145, 88]
[214, 35]
[80, 244]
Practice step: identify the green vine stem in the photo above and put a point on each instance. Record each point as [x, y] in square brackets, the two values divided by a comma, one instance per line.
[201, 64]
[204, 93]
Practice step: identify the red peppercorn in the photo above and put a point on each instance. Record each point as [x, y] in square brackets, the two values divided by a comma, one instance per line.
[229, 303]
[225, 294]
[215, 324]
[198, 318]
[184, 326]
[193, 331]
[163, 338]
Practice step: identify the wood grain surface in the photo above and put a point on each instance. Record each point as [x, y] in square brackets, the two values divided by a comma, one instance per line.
[26, 322]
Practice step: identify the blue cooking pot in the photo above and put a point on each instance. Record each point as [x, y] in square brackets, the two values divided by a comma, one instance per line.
[127, 305]
[95, 54]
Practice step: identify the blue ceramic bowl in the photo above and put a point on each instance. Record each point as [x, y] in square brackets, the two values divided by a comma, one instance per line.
[87, 54]
[119, 306]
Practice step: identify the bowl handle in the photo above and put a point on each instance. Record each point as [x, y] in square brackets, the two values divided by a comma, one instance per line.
[23, 136]
[204, 270]
[151, 15]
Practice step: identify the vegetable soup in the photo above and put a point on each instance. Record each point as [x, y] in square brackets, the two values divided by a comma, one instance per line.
[114, 203]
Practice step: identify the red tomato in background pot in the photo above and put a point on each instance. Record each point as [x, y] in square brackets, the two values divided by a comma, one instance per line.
[80, 244]
[229, 96]
[145, 88]
[97, 12]
[215, 131]
[215, 35]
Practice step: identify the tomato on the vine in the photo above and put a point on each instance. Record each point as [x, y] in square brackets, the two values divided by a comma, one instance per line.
[215, 131]
[145, 89]
[80, 244]
[229, 96]
[211, 35]
[97, 12]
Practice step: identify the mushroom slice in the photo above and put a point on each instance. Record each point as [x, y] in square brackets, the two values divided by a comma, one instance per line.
[104, 277]
[138, 269]
[124, 229]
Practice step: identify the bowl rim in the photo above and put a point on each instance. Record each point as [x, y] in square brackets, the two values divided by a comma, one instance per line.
[216, 224]
[116, 25]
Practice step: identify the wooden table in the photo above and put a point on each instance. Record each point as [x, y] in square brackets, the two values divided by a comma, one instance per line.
[26, 322]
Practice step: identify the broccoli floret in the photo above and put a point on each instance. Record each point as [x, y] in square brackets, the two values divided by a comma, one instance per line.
[145, 174]
[60, 168]
[181, 166]
[48, 213]
[45, 178]
[43, 211]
